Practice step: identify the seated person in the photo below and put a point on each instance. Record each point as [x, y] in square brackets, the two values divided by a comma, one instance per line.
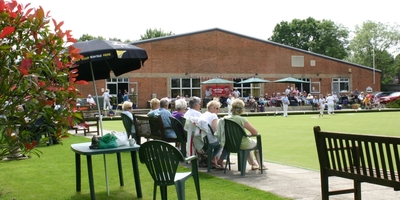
[247, 142]
[127, 110]
[180, 109]
[165, 114]
[90, 101]
[368, 101]
[298, 100]
[154, 104]
[253, 104]
[210, 116]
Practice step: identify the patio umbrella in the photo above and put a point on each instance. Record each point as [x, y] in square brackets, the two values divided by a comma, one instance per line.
[289, 80]
[254, 80]
[100, 58]
[217, 81]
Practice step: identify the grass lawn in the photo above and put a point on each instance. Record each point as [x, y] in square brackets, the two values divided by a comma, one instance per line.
[52, 176]
[290, 140]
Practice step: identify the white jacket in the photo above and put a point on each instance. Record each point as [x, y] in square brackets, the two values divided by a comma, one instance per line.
[196, 131]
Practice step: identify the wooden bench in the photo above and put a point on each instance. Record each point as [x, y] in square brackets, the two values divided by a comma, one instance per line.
[150, 128]
[361, 158]
[85, 124]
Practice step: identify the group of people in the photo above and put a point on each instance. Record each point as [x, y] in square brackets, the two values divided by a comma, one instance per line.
[191, 110]
[107, 99]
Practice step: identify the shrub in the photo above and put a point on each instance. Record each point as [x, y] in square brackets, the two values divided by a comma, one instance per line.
[34, 76]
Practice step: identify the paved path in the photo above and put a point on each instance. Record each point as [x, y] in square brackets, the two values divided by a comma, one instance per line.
[296, 183]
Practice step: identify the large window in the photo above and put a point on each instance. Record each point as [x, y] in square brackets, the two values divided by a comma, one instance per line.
[247, 89]
[304, 86]
[115, 84]
[185, 86]
[339, 84]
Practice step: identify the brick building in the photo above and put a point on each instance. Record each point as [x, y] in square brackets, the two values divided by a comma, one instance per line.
[178, 64]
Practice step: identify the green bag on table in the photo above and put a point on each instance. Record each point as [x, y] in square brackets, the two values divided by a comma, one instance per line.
[108, 141]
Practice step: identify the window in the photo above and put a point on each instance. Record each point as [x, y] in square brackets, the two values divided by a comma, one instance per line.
[304, 86]
[185, 86]
[315, 87]
[247, 89]
[297, 61]
[340, 84]
[115, 84]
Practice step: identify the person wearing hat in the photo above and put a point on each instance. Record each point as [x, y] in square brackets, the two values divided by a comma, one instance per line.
[90, 101]
[285, 104]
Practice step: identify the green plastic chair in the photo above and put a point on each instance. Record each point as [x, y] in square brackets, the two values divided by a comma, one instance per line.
[209, 149]
[128, 124]
[162, 160]
[180, 136]
[233, 138]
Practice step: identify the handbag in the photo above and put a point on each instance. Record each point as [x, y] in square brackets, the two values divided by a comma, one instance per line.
[108, 141]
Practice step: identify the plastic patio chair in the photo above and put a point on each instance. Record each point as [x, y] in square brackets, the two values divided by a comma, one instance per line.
[162, 160]
[209, 149]
[128, 124]
[180, 133]
[233, 138]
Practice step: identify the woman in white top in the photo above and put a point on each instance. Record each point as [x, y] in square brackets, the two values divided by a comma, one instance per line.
[210, 116]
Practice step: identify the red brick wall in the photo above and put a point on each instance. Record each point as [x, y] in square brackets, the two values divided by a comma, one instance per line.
[219, 53]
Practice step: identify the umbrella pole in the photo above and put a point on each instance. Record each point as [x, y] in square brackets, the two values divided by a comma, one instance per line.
[101, 126]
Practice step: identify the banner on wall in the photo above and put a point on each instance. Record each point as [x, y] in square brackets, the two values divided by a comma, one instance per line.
[217, 90]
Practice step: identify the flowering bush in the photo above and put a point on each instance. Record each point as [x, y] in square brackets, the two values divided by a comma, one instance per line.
[35, 80]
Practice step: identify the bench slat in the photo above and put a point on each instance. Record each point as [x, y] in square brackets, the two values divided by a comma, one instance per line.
[362, 158]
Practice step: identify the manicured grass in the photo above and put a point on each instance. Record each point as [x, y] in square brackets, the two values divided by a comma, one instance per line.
[52, 176]
[290, 140]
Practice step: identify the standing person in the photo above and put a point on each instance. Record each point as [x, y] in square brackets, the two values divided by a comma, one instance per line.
[315, 103]
[246, 143]
[120, 97]
[165, 114]
[331, 104]
[126, 95]
[194, 108]
[209, 92]
[236, 93]
[229, 103]
[287, 91]
[285, 103]
[321, 105]
[106, 100]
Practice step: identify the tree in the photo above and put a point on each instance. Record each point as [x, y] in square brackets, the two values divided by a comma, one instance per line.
[87, 37]
[322, 37]
[35, 75]
[154, 33]
[374, 45]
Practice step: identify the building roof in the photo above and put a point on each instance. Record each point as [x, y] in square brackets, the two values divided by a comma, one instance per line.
[251, 38]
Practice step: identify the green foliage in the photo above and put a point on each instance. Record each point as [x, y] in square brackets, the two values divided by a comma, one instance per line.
[375, 44]
[87, 37]
[394, 104]
[154, 33]
[322, 37]
[34, 74]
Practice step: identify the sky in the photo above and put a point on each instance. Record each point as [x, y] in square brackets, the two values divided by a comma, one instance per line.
[128, 19]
